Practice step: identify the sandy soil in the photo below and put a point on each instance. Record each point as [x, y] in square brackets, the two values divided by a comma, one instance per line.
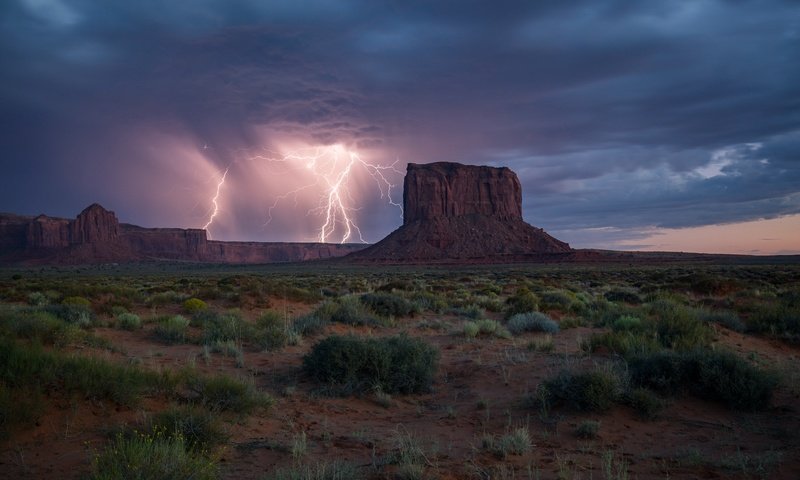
[481, 388]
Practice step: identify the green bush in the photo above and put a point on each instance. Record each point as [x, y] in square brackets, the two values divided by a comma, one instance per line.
[129, 321]
[517, 442]
[681, 329]
[558, 300]
[394, 365]
[521, 302]
[229, 326]
[646, 403]
[151, 457]
[781, 319]
[172, 329]
[471, 329]
[31, 367]
[593, 391]
[37, 299]
[469, 311]
[623, 295]
[199, 428]
[713, 375]
[75, 314]
[194, 305]
[625, 343]
[336, 470]
[588, 429]
[347, 310]
[309, 325]
[531, 322]
[224, 393]
[272, 333]
[627, 323]
[388, 304]
[77, 302]
[725, 318]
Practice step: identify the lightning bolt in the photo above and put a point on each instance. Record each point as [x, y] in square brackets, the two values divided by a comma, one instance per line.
[214, 202]
[332, 167]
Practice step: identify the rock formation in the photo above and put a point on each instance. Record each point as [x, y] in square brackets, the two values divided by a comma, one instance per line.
[456, 213]
[97, 236]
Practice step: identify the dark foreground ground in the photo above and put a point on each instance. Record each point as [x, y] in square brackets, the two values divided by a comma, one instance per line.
[620, 370]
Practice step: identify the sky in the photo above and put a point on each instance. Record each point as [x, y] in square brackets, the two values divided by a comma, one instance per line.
[632, 125]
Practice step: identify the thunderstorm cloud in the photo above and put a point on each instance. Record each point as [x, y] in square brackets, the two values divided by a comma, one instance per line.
[618, 116]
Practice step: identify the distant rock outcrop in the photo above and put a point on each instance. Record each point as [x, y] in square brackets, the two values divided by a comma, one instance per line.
[455, 212]
[97, 236]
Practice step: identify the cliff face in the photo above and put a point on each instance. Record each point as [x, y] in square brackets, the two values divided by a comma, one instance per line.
[94, 224]
[462, 213]
[96, 236]
[436, 190]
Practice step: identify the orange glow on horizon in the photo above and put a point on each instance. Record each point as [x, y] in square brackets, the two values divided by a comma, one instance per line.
[777, 236]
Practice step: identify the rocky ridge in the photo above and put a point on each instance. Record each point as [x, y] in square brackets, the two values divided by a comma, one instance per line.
[462, 213]
[97, 236]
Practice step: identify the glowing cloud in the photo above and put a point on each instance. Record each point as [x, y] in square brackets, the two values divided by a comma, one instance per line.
[326, 180]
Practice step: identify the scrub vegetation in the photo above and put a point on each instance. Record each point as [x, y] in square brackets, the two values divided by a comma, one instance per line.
[324, 372]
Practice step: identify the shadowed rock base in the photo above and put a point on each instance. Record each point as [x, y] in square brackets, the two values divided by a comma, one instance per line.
[462, 213]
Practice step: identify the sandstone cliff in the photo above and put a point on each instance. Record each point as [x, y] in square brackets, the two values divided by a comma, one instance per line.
[97, 236]
[455, 213]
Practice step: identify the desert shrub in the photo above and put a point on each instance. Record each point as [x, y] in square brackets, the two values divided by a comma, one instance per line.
[558, 300]
[516, 442]
[394, 365]
[199, 428]
[429, 301]
[522, 301]
[646, 403]
[151, 456]
[468, 311]
[223, 327]
[623, 295]
[165, 298]
[229, 348]
[542, 343]
[272, 333]
[587, 429]
[572, 322]
[624, 343]
[593, 391]
[471, 329]
[726, 318]
[172, 329]
[388, 304]
[77, 302]
[348, 310]
[30, 367]
[781, 318]
[99, 379]
[490, 327]
[336, 470]
[129, 321]
[37, 299]
[224, 393]
[665, 372]
[681, 329]
[309, 325]
[79, 315]
[627, 323]
[713, 375]
[194, 305]
[531, 322]
[492, 303]
[40, 326]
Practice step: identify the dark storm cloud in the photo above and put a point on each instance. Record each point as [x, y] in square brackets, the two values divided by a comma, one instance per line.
[614, 114]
